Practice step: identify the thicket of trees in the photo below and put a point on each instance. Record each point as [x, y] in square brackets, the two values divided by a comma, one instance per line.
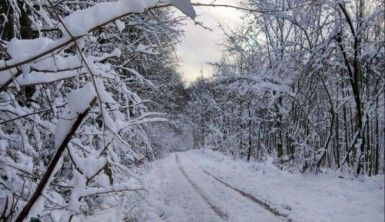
[86, 88]
[303, 82]
[81, 82]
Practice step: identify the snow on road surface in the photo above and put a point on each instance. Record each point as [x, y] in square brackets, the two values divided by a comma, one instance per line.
[207, 186]
[183, 192]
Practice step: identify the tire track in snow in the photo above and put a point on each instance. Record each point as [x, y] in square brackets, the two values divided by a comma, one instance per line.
[218, 211]
[249, 196]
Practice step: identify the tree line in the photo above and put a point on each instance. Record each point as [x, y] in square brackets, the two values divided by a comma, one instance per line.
[302, 82]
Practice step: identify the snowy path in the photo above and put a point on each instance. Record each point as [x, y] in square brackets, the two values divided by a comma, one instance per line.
[233, 205]
[193, 195]
[208, 187]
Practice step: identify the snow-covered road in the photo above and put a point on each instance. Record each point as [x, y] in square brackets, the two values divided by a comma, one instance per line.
[193, 195]
[193, 186]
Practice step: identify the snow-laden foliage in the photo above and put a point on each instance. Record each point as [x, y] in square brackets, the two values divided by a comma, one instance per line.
[303, 82]
[72, 115]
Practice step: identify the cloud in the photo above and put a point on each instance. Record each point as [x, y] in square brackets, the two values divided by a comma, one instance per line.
[199, 45]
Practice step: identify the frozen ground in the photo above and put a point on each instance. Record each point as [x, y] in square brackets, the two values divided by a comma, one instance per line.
[207, 186]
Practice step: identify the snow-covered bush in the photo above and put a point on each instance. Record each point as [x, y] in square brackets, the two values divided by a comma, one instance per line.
[70, 117]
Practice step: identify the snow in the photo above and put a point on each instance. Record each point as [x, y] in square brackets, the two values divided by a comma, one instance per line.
[27, 54]
[25, 47]
[78, 24]
[129, 185]
[171, 195]
[147, 49]
[105, 96]
[108, 121]
[199, 185]
[120, 25]
[37, 208]
[63, 126]
[89, 165]
[6, 75]
[57, 62]
[109, 215]
[196, 197]
[322, 197]
[35, 78]
[80, 99]
[17, 48]
[82, 21]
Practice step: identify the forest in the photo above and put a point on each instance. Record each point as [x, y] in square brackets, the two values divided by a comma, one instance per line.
[92, 99]
[303, 83]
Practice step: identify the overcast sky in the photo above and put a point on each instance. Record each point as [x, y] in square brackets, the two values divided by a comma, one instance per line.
[199, 45]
